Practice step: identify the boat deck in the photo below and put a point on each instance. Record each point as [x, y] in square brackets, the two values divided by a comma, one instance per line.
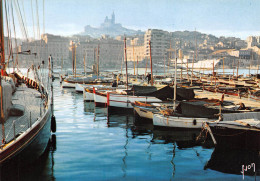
[31, 100]
[234, 99]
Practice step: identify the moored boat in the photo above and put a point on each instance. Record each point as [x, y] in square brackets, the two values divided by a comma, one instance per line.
[161, 120]
[28, 119]
[26, 108]
[237, 131]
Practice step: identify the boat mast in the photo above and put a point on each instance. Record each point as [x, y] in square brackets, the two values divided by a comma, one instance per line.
[75, 60]
[223, 66]
[126, 65]
[84, 66]
[237, 67]
[2, 56]
[136, 67]
[134, 54]
[194, 57]
[164, 63]
[61, 64]
[146, 65]
[175, 86]
[2, 46]
[151, 63]
[98, 60]
[233, 68]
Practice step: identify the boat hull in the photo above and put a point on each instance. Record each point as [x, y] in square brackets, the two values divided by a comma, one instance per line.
[178, 122]
[125, 101]
[88, 96]
[234, 137]
[68, 85]
[143, 113]
[100, 99]
[31, 144]
[79, 88]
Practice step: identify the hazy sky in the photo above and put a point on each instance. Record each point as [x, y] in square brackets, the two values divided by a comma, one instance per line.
[239, 18]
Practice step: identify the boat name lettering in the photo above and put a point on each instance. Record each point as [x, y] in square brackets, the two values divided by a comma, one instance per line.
[245, 168]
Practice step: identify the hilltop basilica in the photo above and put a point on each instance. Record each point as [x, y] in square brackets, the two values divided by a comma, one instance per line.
[109, 27]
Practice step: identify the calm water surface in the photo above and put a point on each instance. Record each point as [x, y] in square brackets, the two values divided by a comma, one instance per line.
[93, 146]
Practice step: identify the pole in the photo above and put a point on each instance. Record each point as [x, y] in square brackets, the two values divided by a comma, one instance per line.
[75, 61]
[2, 66]
[151, 63]
[95, 50]
[134, 55]
[136, 67]
[164, 63]
[84, 65]
[188, 71]
[98, 61]
[233, 68]
[146, 65]
[237, 67]
[126, 65]
[192, 68]
[2, 111]
[2, 46]
[175, 85]
[223, 66]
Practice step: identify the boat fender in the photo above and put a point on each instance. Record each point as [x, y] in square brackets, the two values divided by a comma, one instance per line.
[194, 122]
[53, 124]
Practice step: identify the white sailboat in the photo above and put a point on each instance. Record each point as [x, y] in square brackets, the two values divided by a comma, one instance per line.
[26, 109]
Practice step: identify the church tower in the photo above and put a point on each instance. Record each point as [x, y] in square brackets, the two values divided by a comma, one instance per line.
[113, 18]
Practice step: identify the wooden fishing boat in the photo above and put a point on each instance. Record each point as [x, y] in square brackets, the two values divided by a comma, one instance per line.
[237, 131]
[206, 108]
[144, 110]
[171, 121]
[88, 91]
[117, 100]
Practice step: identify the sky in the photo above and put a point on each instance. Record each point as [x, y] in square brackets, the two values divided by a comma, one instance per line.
[238, 18]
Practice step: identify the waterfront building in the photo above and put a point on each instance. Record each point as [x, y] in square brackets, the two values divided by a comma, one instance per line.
[160, 42]
[110, 52]
[57, 47]
[253, 41]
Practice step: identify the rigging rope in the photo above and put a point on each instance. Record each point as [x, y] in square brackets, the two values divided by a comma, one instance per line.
[20, 19]
[8, 32]
[16, 46]
[33, 20]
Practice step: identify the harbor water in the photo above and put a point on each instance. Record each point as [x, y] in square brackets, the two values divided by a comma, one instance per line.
[90, 145]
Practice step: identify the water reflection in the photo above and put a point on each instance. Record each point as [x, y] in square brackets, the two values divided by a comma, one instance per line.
[232, 161]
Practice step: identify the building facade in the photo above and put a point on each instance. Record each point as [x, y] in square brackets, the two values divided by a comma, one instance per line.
[160, 42]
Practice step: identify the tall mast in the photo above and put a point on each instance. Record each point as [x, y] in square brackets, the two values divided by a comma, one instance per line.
[95, 69]
[126, 65]
[223, 66]
[134, 54]
[136, 67]
[75, 60]
[237, 68]
[151, 63]
[98, 61]
[175, 86]
[2, 56]
[146, 65]
[2, 46]
[164, 63]
[84, 66]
